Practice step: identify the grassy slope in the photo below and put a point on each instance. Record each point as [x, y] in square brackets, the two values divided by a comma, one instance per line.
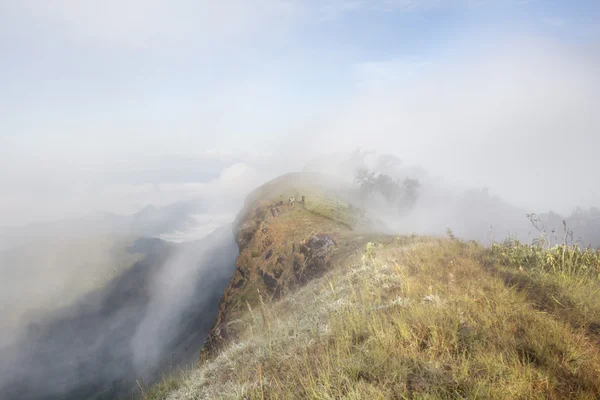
[271, 246]
[411, 317]
[321, 199]
[65, 270]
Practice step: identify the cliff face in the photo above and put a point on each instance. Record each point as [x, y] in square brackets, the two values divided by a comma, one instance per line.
[282, 247]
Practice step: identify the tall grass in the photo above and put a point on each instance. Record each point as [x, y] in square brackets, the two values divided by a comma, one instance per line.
[562, 259]
[416, 318]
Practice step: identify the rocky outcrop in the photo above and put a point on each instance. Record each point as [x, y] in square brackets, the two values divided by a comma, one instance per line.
[281, 248]
[315, 258]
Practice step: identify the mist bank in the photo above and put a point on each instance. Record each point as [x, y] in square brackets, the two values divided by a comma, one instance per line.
[470, 213]
[148, 222]
[91, 304]
[150, 319]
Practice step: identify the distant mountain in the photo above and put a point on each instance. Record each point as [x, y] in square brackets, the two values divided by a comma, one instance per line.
[151, 317]
[150, 221]
[47, 274]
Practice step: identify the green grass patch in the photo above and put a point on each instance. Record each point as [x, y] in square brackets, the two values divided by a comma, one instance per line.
[160, 390]
[335, 209]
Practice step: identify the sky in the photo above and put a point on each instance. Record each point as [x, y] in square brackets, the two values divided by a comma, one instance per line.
[101, 100]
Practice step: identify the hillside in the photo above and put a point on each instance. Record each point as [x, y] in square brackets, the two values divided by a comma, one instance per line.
[319, 307]
[72, 267]
[283, 247]
[97, 339]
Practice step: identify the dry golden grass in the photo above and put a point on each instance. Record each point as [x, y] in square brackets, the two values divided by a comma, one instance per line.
[415, 318]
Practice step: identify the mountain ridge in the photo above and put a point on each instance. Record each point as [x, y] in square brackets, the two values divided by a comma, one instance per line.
[322, 308]
[129, 328]
[282, 247]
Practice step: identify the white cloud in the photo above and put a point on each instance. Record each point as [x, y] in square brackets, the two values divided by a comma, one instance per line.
[515, 115]
[204, 225]
[444, 114]
[114, 188]
[147, 23]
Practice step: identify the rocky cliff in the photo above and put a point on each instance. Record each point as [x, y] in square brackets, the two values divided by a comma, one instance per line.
[284, 246]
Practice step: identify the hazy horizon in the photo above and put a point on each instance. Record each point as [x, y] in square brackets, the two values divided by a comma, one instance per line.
[115, 105]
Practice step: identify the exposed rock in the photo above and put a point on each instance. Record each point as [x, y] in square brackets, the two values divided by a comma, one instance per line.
[262, 231]
[320, 243]
[274, 212]
[277, 271]
[316, 260]
[272, 285]
[281, 259]
[298, 268]
[239, 283]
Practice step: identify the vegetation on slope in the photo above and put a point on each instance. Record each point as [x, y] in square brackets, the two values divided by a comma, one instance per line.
[65, 270]
[415, 318]
[404, 318]
[284, 247]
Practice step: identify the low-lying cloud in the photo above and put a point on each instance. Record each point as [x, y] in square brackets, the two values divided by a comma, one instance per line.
[152, 120]
[518, 117]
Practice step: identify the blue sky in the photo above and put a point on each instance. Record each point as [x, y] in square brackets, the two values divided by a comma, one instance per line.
[87, 84]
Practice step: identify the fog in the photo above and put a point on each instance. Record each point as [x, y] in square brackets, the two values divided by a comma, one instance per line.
[513, 114]
[518, 117]
[135, 327]
[131, 132]
[90, 305]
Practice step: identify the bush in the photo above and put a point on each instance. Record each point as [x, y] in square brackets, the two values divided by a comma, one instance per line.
[559, 259]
